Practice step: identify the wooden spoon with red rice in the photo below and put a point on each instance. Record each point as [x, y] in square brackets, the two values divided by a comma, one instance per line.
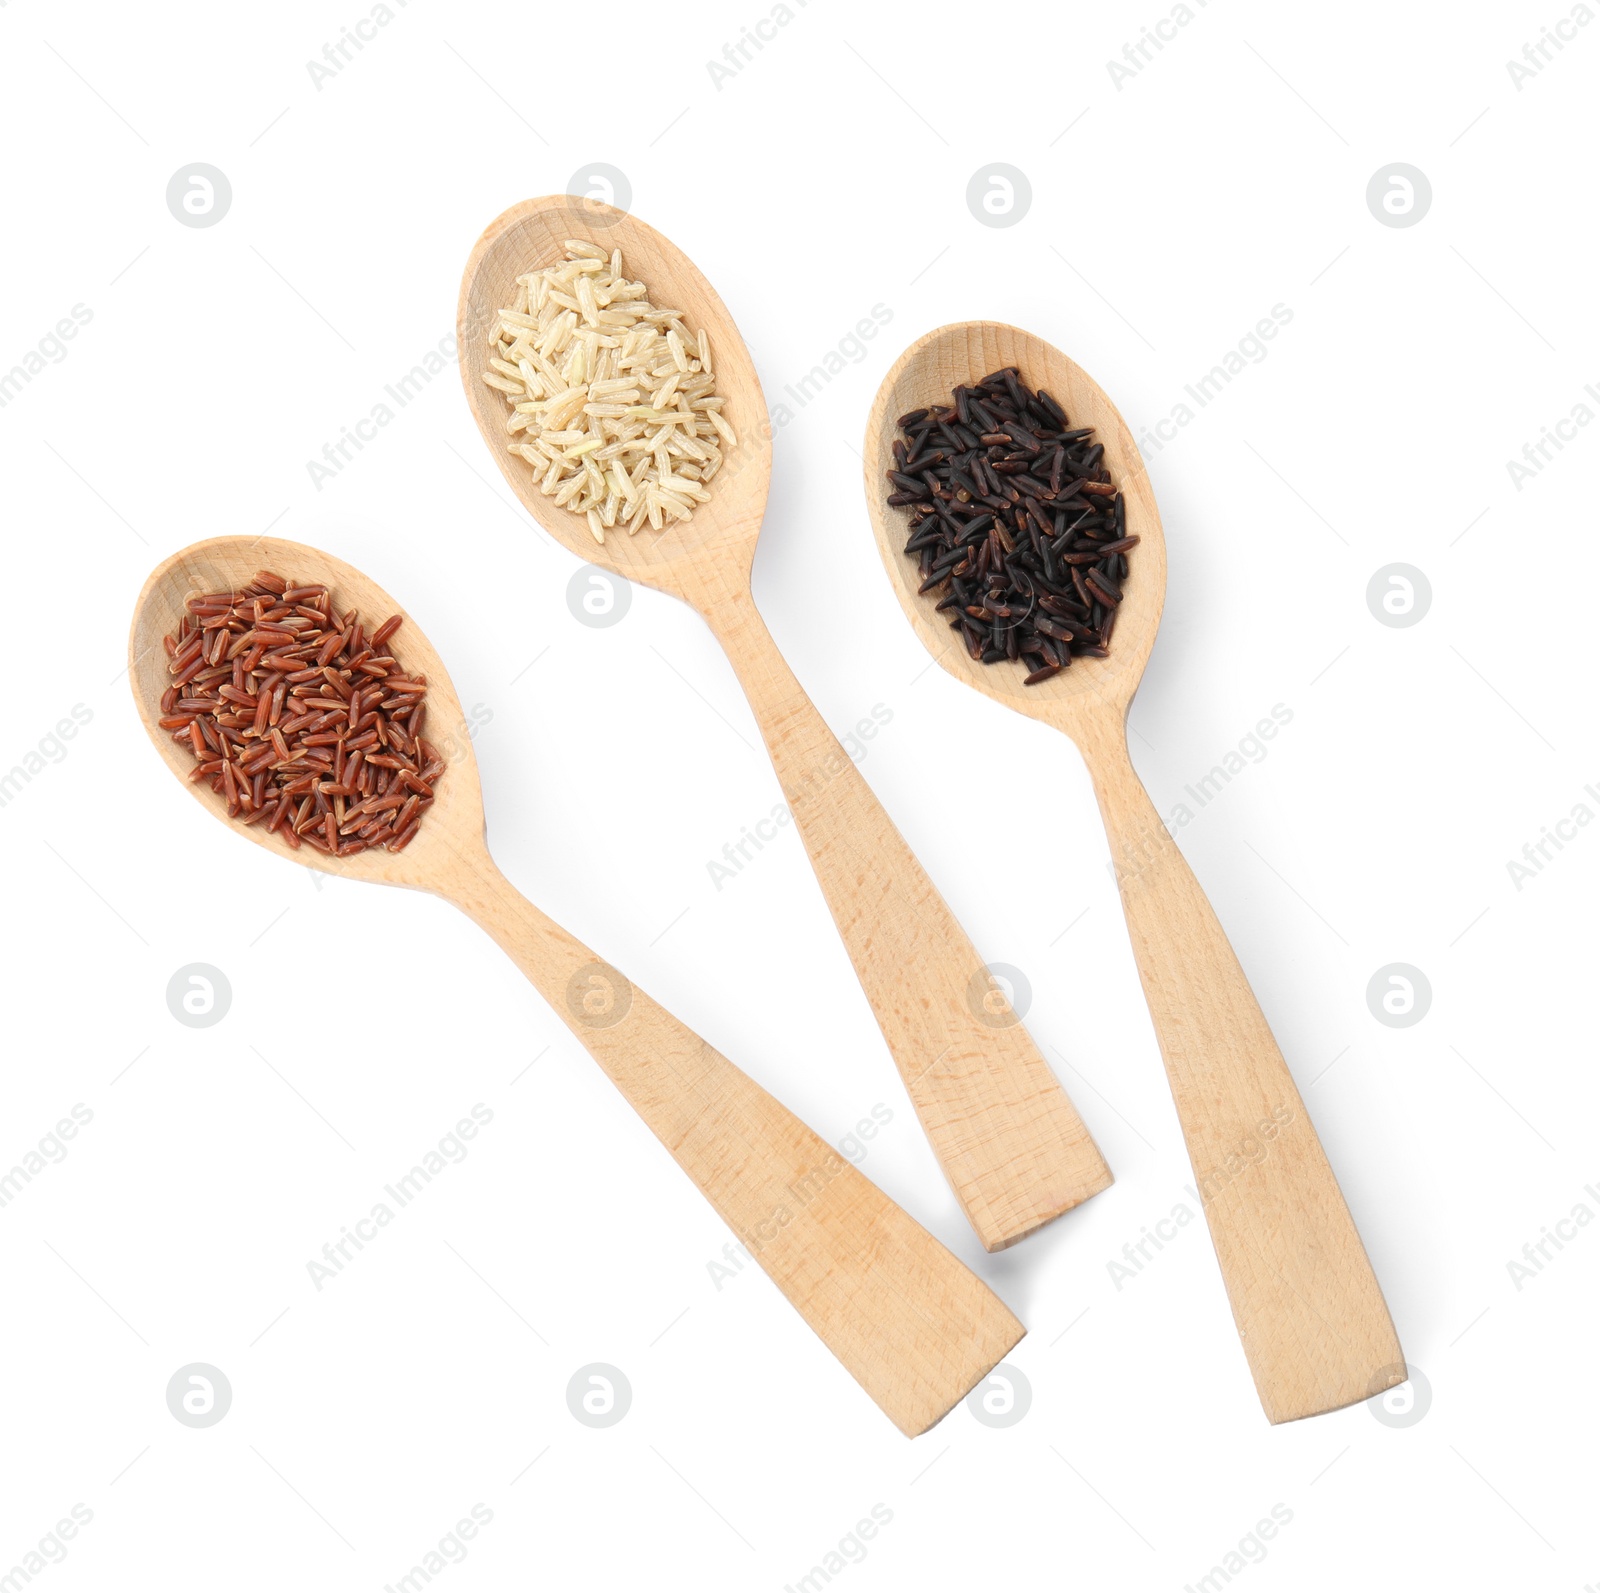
[914, 1327]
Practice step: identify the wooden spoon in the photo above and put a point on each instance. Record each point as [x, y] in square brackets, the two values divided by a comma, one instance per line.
[1012, 1145]
[914, 1327]
[1315, 1327]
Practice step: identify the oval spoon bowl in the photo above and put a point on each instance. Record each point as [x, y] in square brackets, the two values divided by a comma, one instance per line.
[452, 824]
[532, 235]
[926, 374]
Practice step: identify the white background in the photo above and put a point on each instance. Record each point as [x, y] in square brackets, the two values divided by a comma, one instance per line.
[1169, 214]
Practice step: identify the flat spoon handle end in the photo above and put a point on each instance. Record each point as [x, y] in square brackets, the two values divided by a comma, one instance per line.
[1012, 1144]
[1312, 1319]
[913, 1325]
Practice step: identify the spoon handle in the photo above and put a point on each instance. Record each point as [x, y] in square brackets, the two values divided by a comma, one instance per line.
[1012, 1145]
[911, 1324]
[1315, 1328]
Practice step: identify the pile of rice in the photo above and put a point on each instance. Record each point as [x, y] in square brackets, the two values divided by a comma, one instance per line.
[612, 399]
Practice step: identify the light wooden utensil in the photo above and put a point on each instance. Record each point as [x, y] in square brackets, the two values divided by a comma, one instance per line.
[1012, 1145]
[914, 1327]
[1314, 1324]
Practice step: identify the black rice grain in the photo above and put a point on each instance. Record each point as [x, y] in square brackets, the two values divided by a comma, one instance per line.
[1014, 513]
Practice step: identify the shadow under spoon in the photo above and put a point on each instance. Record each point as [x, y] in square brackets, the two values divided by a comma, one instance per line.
[913, 1325]
[1314, 1325]
[1013, 1146]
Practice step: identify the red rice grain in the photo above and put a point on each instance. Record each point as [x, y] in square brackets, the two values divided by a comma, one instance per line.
[282, 701]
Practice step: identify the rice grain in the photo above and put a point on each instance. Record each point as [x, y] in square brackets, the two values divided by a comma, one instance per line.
[612, 400]
[281, 701]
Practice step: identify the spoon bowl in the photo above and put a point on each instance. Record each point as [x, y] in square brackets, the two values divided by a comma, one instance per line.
[926, 374]
[531, 235]
[453, 830]
[914, 1327]
[1315, 1329]
[1012, 1145]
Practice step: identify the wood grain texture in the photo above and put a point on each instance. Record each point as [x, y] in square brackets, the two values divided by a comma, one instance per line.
[914, 1326]
[1311, 1317]
[1013, 1146]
